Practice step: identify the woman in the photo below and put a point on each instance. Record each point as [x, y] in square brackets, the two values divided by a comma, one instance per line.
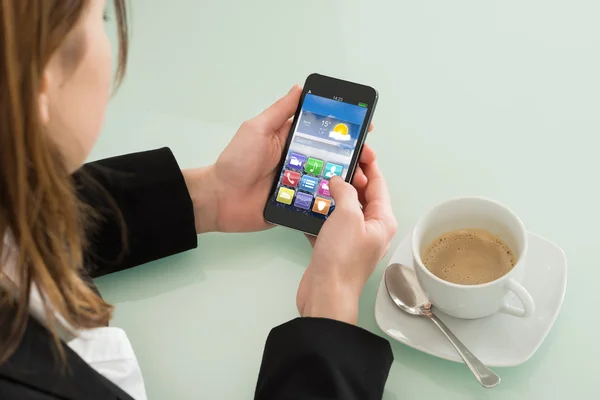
[54, 336]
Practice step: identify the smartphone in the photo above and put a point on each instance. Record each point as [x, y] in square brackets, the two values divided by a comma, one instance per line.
[326, 138]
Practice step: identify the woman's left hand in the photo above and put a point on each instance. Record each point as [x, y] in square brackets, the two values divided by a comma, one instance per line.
[230, 195]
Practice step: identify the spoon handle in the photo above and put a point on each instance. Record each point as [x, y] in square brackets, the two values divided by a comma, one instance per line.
[484, 375]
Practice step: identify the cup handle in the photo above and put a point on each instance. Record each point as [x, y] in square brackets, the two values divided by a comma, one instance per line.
[524, 297]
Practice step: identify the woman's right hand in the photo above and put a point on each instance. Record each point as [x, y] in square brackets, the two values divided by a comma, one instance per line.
[350, 244]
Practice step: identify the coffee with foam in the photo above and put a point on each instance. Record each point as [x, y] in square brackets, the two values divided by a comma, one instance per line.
[468, 257]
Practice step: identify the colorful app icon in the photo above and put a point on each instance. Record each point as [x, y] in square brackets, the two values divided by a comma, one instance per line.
[296, 160]
[291, 178]
[324, 188]
[313, 166]
[309, 183]
[285, 195]
[303, 201]
[332, 170]
[321, 206]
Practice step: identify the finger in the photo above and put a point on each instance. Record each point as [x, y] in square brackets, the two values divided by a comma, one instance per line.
[371, 127]
[282, 110]
[344, 194]
[367, 155]
[359, 181]
[284, 131]
[376, 189]
[377, 198]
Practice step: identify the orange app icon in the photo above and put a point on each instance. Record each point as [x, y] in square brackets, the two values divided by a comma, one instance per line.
[321, 206]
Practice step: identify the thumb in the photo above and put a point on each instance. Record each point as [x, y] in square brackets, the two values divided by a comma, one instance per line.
[283, 109]
[343, 193]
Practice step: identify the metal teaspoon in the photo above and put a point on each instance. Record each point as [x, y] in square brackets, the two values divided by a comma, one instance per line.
[403, 287]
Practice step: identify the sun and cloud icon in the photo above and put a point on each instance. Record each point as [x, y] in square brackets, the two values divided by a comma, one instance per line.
[340, 132]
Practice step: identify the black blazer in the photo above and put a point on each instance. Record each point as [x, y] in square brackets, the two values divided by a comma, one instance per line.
[306, 358]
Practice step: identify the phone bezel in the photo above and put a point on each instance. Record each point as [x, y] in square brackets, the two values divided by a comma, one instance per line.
[328, 87]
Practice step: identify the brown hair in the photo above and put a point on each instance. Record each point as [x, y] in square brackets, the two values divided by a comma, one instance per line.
[38, 205]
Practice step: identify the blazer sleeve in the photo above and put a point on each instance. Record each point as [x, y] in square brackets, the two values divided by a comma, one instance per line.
[140, 200]
[318, 358]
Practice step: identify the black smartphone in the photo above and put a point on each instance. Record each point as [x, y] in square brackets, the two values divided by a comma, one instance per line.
[326, 138]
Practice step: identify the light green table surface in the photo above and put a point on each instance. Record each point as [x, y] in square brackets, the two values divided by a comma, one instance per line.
[494, 98]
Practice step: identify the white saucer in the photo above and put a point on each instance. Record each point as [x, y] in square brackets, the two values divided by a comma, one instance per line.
[499, 340]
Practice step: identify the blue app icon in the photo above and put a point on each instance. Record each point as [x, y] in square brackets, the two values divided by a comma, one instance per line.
[303, 200]
[332, 170]
[309, 183]
[296, 161]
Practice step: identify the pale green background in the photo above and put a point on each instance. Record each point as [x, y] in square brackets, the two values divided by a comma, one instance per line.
[493, 98]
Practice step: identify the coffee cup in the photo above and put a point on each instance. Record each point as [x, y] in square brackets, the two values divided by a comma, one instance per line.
[474, 300]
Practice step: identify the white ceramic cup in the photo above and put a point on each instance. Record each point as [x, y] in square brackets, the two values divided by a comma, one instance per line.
[473, 301]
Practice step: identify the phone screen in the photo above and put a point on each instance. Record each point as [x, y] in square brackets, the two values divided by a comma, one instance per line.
[323, 143]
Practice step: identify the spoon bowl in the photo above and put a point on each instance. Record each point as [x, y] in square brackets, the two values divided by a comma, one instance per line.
[402, 285]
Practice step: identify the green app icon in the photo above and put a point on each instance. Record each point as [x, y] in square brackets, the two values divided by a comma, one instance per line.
[313, 166]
